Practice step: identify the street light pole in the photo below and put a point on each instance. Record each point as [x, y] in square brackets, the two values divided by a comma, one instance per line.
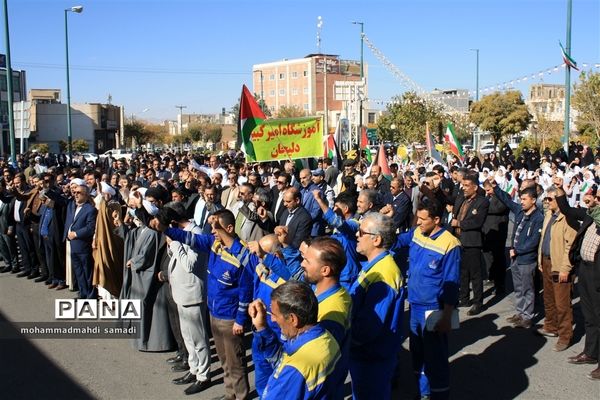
[567, 79]
[9, 88]
[181, 123]
[78, 10]
[475, 141]
[362, 74]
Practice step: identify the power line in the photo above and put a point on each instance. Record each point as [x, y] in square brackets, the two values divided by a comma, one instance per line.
[153, 70]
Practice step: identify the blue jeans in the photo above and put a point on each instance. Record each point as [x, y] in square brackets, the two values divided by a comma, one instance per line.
[522, 275]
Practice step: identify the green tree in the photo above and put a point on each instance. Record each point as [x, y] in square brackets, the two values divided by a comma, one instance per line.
[135, 130]
[546, 132]
[406, 117]
[214, 133]
[586, 100]
[292, 111]
[40, 147]
[80, 146]
[501, 114]
[196, 132]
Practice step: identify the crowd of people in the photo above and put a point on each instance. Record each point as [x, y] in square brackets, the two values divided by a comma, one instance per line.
[315, 264]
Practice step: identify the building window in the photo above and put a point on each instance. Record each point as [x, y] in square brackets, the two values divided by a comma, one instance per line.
[282, 92]
[272, 93]
[305, 73]
[294, 92]
[272, 77]
[306, 106]
[371, 118]
[305, 91]
[281, 76]
[294, 75]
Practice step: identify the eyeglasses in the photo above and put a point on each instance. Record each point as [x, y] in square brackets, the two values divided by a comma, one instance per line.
[362, 233]
[548, 199]
[281, 182]
[78, 192]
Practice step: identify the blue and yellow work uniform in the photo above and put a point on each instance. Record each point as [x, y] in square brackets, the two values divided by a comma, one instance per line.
[345, 233]
[433, 281]
[268, 275]
[335, 305]
[306, 367]
[229, 280]
[377, 308]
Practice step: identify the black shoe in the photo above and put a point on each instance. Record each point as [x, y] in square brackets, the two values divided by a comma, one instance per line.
[6, 269]
[34, 274]
[41, 278]
[23, 273]
[48, 282]
[184, 380]
[475, 310]
[197, 387]
[177, 359]
[463, 303]
[15, 270]
[180, 367]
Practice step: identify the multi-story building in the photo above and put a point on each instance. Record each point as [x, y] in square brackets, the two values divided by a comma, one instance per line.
[19, 94]
[309, 84]
[547, 100]
[98, 124]
[456, 100]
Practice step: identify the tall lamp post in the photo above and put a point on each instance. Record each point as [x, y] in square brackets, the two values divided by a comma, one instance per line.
[9, 87]
[78, 10]
[567, 79]
[475, 137]
[362, 74]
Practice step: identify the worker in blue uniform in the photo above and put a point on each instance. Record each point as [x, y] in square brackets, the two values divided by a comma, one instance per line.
[433, 286]
[306, 364]
[341, 217]
[279, 262]
[377, 308]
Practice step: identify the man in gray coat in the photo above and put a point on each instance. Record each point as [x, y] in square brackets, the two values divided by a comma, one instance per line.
[187, 276]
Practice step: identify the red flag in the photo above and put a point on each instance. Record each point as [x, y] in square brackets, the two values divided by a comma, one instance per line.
[250, 116]
[381, 160]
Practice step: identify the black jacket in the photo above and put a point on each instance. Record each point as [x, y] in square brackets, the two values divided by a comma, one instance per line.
[471, 226]
[299, 227]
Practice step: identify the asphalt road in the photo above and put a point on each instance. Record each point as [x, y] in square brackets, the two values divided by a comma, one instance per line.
[489, 359]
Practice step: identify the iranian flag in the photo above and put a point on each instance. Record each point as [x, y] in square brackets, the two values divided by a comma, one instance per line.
[567, 58]
[250, 116]
[450, 138]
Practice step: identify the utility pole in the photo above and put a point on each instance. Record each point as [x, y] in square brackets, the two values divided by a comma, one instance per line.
[181, 123]
[9, 88]
[362, 75]
[475, 137]
[325, 113]
[567, 79]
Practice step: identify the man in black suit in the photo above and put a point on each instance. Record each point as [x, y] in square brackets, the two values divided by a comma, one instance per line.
[23, 227]
[295, 217]
[277, 191]
[8, 246]
[402, 205]
[495, 230]
[470, 212]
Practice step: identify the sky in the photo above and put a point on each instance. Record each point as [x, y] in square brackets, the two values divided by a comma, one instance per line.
[152, 55]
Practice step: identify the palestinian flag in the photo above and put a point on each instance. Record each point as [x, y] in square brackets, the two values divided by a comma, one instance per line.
[567, 58]
[433, 153]
[364, 143]
[250, 116]
[450, 138]
[331, 150]
[381, 160]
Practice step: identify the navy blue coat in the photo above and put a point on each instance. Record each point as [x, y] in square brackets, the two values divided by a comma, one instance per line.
[84, 225]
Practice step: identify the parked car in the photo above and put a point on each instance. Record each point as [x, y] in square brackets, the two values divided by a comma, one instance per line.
[90, 157]
[487, 148]
[117, 153]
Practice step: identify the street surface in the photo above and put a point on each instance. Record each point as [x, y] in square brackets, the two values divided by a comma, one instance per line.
[489, 359]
